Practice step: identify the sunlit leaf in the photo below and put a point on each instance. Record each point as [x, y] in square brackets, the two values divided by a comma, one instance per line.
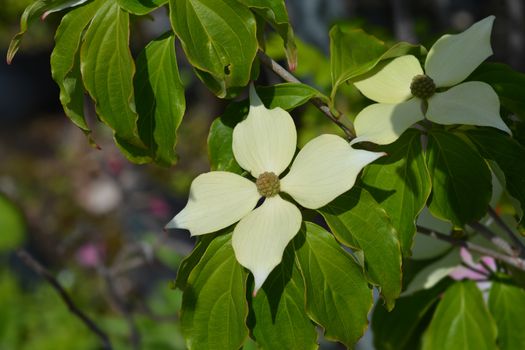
[107, 69]
[65, 61]
[188, 264]
[219, 39]
[214, 306]
[279, 314]
[358, 221]
[160, 98]
[275, 13]
[507, 306]
[337, 294]
[461, 321]
[400, 183]
[40, 8]
[140, 7]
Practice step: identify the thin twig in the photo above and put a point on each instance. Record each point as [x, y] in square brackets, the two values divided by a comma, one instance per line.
[517, 242]
[510, 260]
[40, 270]
[474, 269]
[316, 101]
[493, 238]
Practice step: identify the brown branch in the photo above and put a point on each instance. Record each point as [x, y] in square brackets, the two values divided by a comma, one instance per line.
[40, 270]
[316, 101]
[518, 245]
[510, 260]
[496, 240]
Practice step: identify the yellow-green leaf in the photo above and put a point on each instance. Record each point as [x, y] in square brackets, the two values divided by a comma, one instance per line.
[160, 98]
[461, 321]
[219, 39]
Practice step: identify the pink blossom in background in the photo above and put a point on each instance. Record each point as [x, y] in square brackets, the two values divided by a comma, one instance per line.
[115, 164]
[464, 273]
[89, 255]
[159, 207]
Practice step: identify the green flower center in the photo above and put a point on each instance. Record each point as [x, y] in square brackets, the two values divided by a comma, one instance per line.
[422, 86]
[268, 184]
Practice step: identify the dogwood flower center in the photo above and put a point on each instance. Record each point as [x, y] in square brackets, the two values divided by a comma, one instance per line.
[422, 86]
[268, 184]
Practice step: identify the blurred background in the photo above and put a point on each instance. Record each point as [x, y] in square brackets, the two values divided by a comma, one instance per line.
[96, 221]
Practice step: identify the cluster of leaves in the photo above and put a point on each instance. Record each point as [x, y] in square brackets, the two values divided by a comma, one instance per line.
[319, 282]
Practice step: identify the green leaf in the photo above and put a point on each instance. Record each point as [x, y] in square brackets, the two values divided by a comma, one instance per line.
[107, 69]
[188, 264]
[40, 8]
[65, 61]
[354, 52]
[401, 328]
[160, 98]
[508, 83]
[214, 306]
[59, 5]
[507, 306]
[358, 221]
[279, 314]
[219, 39]
[461, 180]
[275, 13]
[13, 225]
[507, 153]
[337, 294]
[461, 321]
[287, 96]
[141, 7]
[220, 138]
[400, 183]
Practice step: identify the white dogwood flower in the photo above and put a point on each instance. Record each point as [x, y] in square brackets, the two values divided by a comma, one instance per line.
[264, 145]
[407, 94]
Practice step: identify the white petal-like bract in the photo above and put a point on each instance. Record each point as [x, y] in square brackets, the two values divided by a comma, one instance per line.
[391, 84]
[217, 200]
[266, 140]
[471, 103]
[453, 57]
[325, 168]
[260, 238]
[383, 123]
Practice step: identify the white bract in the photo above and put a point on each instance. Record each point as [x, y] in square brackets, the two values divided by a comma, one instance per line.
[407, 94]
[264, 145]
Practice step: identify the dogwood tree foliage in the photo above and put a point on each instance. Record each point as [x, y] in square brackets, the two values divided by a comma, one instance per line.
[444, 121]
